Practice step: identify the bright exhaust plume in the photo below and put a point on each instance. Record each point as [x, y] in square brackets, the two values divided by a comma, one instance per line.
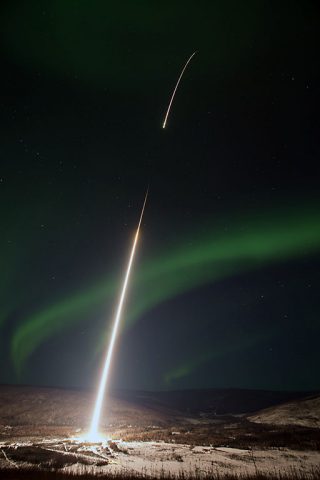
[94, 434]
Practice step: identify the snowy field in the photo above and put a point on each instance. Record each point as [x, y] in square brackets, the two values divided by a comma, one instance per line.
[195, 434]
[156, 459]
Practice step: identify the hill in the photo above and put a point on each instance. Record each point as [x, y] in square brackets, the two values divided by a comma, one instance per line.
[303, 412]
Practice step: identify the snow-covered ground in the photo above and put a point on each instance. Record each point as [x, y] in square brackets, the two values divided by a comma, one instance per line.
[38, 428]
[156, 458]
[305, 413]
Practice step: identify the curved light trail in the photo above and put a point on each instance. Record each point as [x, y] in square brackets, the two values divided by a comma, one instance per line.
[175, 89]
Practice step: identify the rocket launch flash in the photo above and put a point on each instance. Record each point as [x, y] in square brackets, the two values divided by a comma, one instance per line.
[94, 429]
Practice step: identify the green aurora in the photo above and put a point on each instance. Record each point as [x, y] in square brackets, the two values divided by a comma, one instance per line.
[253, 242]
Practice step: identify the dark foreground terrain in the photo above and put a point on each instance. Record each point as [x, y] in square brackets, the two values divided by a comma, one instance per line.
[192, 434]
[36, 475]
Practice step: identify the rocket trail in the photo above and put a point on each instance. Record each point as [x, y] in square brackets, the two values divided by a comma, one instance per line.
[94, 433]
[175, 89]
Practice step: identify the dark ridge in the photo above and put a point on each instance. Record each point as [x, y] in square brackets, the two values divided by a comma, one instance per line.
[214, 401]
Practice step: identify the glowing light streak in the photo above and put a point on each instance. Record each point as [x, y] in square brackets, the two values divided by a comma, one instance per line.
[175, 89]
[94, 429]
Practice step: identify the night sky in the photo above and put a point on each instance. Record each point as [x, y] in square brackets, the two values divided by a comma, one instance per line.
[225, 285]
